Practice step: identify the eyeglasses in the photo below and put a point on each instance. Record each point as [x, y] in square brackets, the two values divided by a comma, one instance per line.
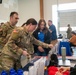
[16, 18]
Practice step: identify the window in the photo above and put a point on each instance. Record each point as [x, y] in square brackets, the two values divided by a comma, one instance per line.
[64, 14]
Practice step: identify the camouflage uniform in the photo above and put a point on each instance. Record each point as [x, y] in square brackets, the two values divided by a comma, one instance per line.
[5, 31]
[13, 49]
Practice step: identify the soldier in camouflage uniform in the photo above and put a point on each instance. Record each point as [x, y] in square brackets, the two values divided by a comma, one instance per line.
[7, 28]
[20, 39]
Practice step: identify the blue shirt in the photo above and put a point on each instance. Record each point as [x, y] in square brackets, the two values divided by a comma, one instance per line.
[53, 34]
[41, 36]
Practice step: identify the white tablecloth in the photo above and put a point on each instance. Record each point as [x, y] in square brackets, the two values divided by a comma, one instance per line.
[37, 68]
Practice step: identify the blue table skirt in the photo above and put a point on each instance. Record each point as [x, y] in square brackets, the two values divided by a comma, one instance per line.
[67, 45]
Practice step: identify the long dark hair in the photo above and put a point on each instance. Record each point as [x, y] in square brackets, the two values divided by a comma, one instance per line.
[45, 28]
[53, 61]
[31, 20]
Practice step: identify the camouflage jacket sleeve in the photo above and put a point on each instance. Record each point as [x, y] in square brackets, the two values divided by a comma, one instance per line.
[3, 33]
[3, 30]
[39, 43]
[12, 42]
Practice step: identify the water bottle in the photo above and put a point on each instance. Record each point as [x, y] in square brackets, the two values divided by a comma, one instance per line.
[63, 51]
[4, 73]
[20, 72]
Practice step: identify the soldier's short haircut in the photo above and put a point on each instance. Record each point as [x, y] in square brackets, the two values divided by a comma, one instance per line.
[12, 13]
[31, 20]
[50, 21]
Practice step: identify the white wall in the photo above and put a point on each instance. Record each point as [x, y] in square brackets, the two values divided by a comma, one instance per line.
[28, 9]
[6, 7]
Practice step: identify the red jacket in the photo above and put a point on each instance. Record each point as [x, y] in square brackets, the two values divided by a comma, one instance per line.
[52, 71]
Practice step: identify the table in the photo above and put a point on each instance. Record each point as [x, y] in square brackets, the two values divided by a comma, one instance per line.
[64, 63]
[37, 68]
[64, 44]
[72, 60]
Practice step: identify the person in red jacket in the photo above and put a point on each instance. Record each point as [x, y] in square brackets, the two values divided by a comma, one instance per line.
[71, 69]
[53, 68]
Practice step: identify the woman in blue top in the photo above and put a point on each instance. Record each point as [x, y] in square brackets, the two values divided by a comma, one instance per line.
[43, 34]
